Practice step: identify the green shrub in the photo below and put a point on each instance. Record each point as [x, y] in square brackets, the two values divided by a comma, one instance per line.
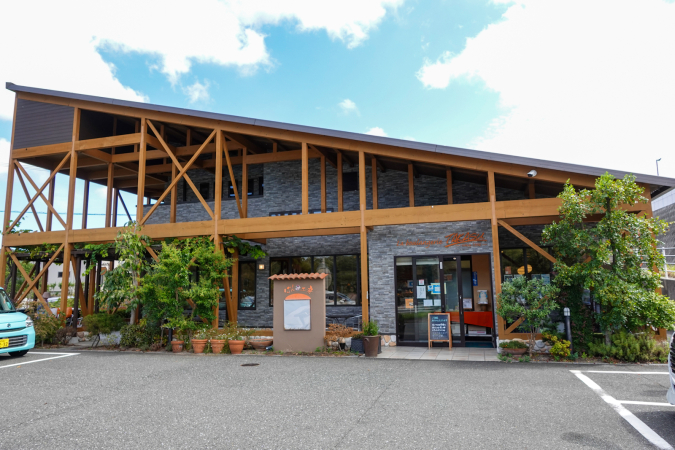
[560, 349]
[630, 347]
[370, 328]
[46, 327]
[512, 344]
[139, 335]
[103, 323]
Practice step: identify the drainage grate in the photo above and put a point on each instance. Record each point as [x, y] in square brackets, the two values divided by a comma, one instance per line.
[250, 365]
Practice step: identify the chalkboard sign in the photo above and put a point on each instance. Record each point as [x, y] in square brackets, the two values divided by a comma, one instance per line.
[439, 328]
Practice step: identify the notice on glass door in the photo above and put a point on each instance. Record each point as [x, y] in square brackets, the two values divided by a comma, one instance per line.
[421, 292]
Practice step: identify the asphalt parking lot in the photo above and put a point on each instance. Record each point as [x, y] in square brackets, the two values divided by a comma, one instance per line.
[160, 400]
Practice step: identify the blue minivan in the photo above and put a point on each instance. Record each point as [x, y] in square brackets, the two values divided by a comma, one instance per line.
[17, 334]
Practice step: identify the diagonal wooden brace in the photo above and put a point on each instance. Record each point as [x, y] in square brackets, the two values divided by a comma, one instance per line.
[35, 281]
[38, 295]
[25, 191]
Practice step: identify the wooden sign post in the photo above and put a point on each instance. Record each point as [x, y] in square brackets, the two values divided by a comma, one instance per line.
[439, 328]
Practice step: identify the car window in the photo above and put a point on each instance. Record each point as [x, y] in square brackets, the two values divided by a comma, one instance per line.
[5, 303]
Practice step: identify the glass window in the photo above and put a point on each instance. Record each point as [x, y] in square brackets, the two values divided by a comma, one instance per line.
[247, 285]
[346, 280]
[302, 264]
[538, 265]
[325, 264]
[277, 266]
[512, 262]
[467, 283]
[5, 303]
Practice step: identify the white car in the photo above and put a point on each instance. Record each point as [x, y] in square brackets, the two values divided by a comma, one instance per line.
[671, 369]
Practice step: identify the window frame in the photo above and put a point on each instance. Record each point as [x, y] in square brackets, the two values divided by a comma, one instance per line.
[524, 249]
[255, 286]
[288, 260]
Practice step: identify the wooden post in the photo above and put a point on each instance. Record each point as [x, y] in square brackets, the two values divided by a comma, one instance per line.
[78, 287]
[530, 189]
[8, 199]
[85, 204]
[373, 167]
[448, 176]
[323, 184]
[72, 175]
[364, 237]
[411, 185]
[235, 286]
[305, 179]
[244, 183]
[45, 280]
[496, 254]
[98, 283]
[217, 205]
[339, 181]
[141, 172]
[109, 195]
[50, 197]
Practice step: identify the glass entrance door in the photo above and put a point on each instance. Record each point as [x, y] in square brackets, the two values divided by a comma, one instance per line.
[418, 293]
[453, 300]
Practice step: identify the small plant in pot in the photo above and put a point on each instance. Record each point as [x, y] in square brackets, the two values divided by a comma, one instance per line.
[200, 339]
[371, 338]
[513, 347]
[182, 327]
[218, 342]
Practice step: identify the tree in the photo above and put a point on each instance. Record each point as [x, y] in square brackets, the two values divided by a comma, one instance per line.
[615, 258]
[532, 300]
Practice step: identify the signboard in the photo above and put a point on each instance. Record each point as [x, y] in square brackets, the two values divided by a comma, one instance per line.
[439, 328]
[409, 303]
[435, 288]
[474, 278]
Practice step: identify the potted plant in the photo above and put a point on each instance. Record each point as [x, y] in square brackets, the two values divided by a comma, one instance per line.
[183, 327]
[200, 339]
[218, 341]
[371, 338]
[236, 343]
[514, 347]
[357, 343]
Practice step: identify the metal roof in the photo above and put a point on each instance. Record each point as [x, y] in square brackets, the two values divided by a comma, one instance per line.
[660, 184]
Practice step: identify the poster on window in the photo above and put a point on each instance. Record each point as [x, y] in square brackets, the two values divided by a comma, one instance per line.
[468, 303]
[421, 292]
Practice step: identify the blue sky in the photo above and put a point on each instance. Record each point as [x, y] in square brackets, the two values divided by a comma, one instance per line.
[588, 83]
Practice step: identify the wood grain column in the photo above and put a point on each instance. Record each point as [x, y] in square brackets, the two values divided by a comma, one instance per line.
[141, 172]
[364, 237]
[411, 185]
[305, 179]
[448, 176]
[244, 182]
[496, 254]
[72, 178]
[217, 206]
[8, 201]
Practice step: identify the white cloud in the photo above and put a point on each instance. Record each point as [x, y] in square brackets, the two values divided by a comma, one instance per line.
[377, 131]
[347, 106]
[53, 54]
[4, 155]
[583, 82]
[198, 92]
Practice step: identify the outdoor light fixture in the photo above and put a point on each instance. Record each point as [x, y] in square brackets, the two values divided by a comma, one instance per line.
[566, 312]
[568, 327]
[261, 266]
[532, 173]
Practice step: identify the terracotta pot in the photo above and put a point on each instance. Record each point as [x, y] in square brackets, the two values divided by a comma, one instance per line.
[260, 344]
[177, 346]
[217, 345]
[198, 345]
[371, 344]
[514, 351]
[236, 346]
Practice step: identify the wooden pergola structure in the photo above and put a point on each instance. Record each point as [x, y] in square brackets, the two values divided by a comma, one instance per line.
[152, 148]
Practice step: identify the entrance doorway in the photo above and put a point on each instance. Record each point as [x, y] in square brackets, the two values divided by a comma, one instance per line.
[457, 284]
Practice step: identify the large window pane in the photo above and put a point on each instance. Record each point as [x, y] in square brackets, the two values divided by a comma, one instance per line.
[302, 264]
[347, 280]
[324, 264]
[277, 266]
[540, 266]
[247, 285]
[512, 262]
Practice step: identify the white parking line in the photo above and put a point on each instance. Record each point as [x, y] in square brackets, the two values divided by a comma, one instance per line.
[632, 402]
[639, 425]
[625, 371]
[62, 355]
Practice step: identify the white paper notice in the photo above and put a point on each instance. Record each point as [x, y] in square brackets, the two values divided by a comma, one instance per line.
[437, 302]
[421, 292]
[428, 302]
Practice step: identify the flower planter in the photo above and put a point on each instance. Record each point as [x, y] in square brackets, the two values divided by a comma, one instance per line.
[260, 344]
[177, 346]
[236, 346]
[514, 351]
[357, 345]
[217, 345]
[198, 345]
[371, 344]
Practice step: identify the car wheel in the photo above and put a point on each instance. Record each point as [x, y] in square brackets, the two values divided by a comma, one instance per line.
[18, 354]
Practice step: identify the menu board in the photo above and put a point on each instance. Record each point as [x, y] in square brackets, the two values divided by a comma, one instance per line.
[439, 328]
[297, 315]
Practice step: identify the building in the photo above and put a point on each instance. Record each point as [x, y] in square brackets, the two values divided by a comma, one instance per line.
[403, 228]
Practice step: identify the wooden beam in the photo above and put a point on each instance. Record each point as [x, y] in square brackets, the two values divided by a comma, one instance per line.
[37, 293]
[496, 263]
[244, 181]
[530, 190]
[25, 191]
[110, 141]
[305, 179]
[339, 182]
[448, 176]
[42, 273]
[380, 165]
[141, 170]
[232, 179]
[411, 186]
[9, 191]
[323, 184]
[244, 142]
[41, 150]
[50, 206]
[344, 157]
[539, 250]
[72, 178]
[364, 237]
[299, 233]
[373, 167]
[85, 204]
[324, 154]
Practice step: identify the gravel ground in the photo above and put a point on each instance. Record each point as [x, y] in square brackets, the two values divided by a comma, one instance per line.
[160, 400]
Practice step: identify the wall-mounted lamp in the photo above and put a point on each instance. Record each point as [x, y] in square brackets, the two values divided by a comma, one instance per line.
[261, 266]
[532, 173]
